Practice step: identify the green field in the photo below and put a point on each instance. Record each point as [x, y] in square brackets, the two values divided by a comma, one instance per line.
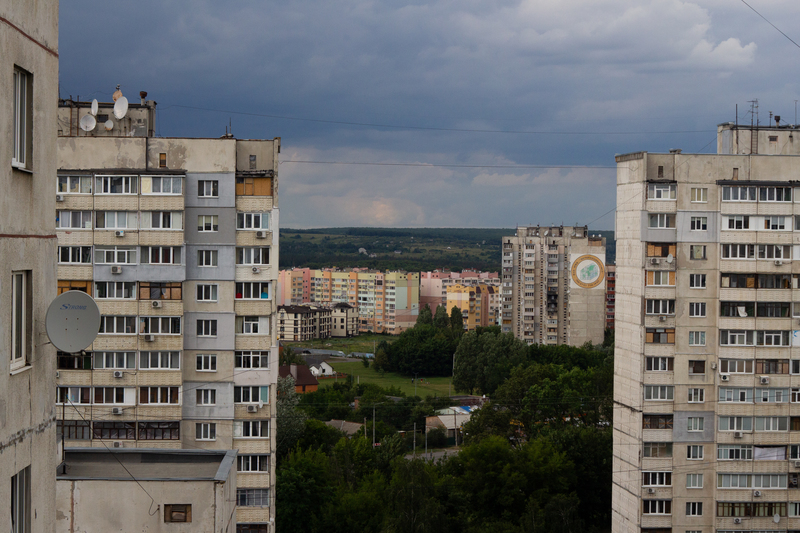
[434, 387]
[363, 343]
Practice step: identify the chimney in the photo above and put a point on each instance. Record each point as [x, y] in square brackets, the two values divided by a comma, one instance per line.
[293, 370]
[142, 95]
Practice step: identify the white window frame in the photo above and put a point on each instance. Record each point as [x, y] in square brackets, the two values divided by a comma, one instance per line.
[694, 508]
[161, 180]
[64, 219]
[128, 254]
[743, 363]
[206, 362]
[253, 288]
[735, 423]
[117, 325]
[771, 424]
[240, 427]
[738, 222]
[697, 309]
[206, 328]
[734, 452]
[160, 360]
[739, 193]
[66, 184]
[695, 423]
[208, 188]
[20, 320]
[162, 220]
[150, 252]
[694, 481]
[775, 223]
[114, 360]
[20, 516]
[660, 307]
[156, 325]
[695, 452]
[252, 221]
[207, 258]
[72, 253]
[22, 118]
[253, 463]
[207, 223]
[697, 395]
[699, 195]
[662, 191]
[774, 194]
[661, 279]
[659, 393]
[656, 479]
[697, 281]
[206, 397]
[246, 358]
[205, 431]
[115, 220]
[247, 390]
[249, 325]
[115, 290]
[659, 364]
[207, 292]
[656, 507]
[661, 221]
[103, 184]
[697, 338]
[738, 251]
[698, 223]
[252, 255]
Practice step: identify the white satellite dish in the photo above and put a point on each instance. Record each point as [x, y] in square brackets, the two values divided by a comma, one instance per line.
[94, 107]
[120, 107]
[72, 321]
[670, 258]
[88, 122]
[109, 124]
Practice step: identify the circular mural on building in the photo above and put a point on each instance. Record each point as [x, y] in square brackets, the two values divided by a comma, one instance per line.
[587, 271]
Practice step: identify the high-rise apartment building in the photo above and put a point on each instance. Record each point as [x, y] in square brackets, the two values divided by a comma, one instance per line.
[553, 285]
[177, 240]
[28, 92]
[477, 303]
[707, 377]
[611, 285]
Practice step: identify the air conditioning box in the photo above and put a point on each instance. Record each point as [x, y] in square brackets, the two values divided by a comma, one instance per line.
[737, 520]
[261, 235]
[119, 374]
[764, 380]
[662, 319]
[737, 434]
[252, 408]
[256, 270]
[651, 490]
[150, 338]
[724, 377]
[116, 410]
[59, 197]
[116, 270]
[756, 493]
[158, 304]
[119, 233]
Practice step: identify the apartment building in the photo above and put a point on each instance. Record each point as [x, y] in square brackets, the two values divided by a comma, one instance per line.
[707, 361]
[294, 287]
[433, 285]
[476, 302]
[611, 284]
[177, 240]
[553, 285]
[303, 323]
[344, 320]
[28, 91]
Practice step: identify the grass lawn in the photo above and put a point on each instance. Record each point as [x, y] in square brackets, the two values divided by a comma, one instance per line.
[438, 386]
[361, 343]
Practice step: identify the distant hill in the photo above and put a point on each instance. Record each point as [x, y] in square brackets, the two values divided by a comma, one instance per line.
[411, 249]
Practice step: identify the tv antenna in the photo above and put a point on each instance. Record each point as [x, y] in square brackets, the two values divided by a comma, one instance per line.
[94, 107]
[88, 122]
[72, 321]
[120, 107]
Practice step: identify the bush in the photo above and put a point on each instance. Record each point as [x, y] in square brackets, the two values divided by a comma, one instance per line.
[437, 438]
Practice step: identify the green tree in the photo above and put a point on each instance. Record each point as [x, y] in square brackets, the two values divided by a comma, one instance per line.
[381, 362]
[457, 320]
[465, 366]
[412, 505]
[291, 421]
[440, 318]
[319, 436]
[289, 357]
[425, 316]
[303, 488]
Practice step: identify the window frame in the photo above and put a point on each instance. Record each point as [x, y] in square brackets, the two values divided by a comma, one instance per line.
[21, 320]
[202, 358]
[22, 116]
[203, 187]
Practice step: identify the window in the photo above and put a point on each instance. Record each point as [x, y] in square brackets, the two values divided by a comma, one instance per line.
[737, 309]
[736, 395]
[206, 328]
[735, 423]
[114, 255]
[694, 452]
[165, 255]
[251, 394]
[160, 360]
[694, 481]
[773, 309]
[115, 185]
[731, 337]
[178, 513]
[21, 323]
[658, 392]
[115, 220]
[699, 223]
[114, 430]
[252, 463]
[114, 360]
[162, 185]
[207, 223]
[735, 452]
[773, 338]
[697, 309]
[68, 361]
[774, 251]
[660, 249]
[246, 186]
[252, 497]
[251, 429]
[159, 431]
[697, 251]
[206, 362]
[111, 395]
[739, 194]
[695, 423]
[162, 220]
[152, 290]
[661, 278]
[252, 325]
[660, 307]
[160, 325]
[773, 395]
[774, 223]
[159, 395]
[252, 528]
[697, 338]
[738, 251]
[207, 188]
[694, 508]
[75, 185]
[657, 449]
[75, 255]
[73, 219]
[253, 290]
[699, 195]
[252, 221]
[656, 506]
[772, 423]
[661, 221]
[120, 325]
[116, 290]
[252, 359]
[660, 335]
[661, 191]
[734, 509]
[74, 429]
[206, 292]
[207, 258]
[23, 112]
[205, 431]
[657, 422]
[738, 222]
[697, 367]
[21, 501]
[162, 160]
[696, 395]
[74, 395]
[206, 396]
[697, 281]
[656, 479]
[659, 364]
[736, 366]
[775, 194]
[252, 256]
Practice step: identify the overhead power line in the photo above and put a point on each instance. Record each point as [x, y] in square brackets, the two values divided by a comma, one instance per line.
[440, 165]
[771, 24]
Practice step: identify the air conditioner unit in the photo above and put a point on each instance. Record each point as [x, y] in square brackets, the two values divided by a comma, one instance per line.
[764, 380]
[737, 520]
[797, 464]
[261, 235]
[737, 434]
[256, 270]
[778, 262]
[158, 303]
[252, 408]
[116, 410]
[119, 233]
[59, 197]
[756, 493]
[58, 374]
[713, 366]
[150, 338]
[724, 377]
[651, 490]
[116, 270]
[118, 374]
[654, 261]
[118, 444]
[662, 319]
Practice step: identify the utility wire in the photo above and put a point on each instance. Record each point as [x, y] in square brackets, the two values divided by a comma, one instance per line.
[771, 24]
[440, 165]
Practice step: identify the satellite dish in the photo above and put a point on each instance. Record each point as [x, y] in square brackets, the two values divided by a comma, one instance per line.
[670, 258]
[94, 107]
[88, 123]
[109, 124]
[72, 321]
[120, 107]
[776, 518]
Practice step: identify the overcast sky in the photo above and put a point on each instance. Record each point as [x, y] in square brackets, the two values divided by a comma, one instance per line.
[558, 83]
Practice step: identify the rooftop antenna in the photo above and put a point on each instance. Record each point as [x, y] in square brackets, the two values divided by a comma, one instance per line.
[94, 107]
[120, 107]
[88, 122]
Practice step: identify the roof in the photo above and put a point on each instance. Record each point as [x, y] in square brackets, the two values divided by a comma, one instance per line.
[296, 309]
[314, 360]
[452, 421]
[349, 428]
[148, 464]
[301, 373]
[342, 305]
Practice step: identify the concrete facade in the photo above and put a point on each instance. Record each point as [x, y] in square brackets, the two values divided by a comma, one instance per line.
[553, 285]
[707, 371]
[28, 92]
[187, 355]
[476, 302]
